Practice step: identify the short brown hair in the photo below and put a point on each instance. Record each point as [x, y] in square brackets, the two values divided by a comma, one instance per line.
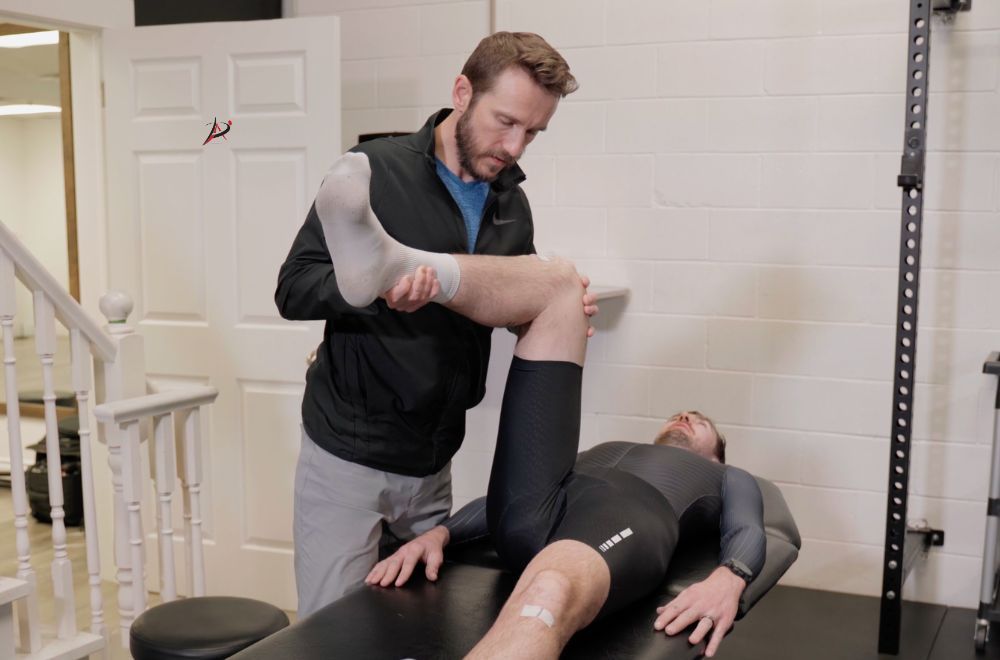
[501, 50]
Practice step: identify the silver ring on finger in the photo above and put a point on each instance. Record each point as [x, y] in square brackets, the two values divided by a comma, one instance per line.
[710, 619]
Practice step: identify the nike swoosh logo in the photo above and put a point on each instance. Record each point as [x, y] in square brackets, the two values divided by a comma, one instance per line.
[503, 221]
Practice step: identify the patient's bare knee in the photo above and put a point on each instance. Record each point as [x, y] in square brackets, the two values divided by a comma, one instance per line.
[548, 596]
[562, 282]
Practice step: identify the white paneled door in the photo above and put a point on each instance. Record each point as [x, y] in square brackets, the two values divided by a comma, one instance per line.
[196, 234]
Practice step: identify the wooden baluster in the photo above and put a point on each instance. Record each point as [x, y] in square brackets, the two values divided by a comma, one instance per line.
[26, 609]
[123, 378]
[180, 425]
[132, 493]
[161, 461]
[123, 573]
[62, 568]
[189, 468]
[80, 352]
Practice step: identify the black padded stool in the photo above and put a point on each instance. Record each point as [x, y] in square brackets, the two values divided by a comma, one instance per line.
[202, 628]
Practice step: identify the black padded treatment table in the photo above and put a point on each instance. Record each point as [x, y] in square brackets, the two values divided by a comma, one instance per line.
[444, 619]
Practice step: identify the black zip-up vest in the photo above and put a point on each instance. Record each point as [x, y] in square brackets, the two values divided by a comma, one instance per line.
[389, 390]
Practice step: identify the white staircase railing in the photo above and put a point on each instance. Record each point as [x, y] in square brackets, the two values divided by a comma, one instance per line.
[109, 360]
[168, 460]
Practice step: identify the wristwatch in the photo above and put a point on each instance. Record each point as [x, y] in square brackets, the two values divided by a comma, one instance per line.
[739, 569]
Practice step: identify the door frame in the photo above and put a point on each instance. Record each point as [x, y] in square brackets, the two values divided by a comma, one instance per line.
[84, 221]
[83, 142]
[91, 221]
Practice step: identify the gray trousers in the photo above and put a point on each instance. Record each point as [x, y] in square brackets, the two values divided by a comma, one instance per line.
[344, 512]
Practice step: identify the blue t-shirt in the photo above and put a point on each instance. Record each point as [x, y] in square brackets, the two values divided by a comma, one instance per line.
[470, 197]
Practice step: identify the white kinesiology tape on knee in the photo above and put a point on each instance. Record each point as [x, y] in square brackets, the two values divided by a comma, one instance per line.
[539, 612]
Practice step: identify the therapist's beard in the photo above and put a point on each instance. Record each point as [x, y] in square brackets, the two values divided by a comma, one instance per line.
[468, 150]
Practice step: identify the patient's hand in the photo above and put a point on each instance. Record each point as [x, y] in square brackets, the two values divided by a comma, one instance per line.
[398, 567]
[717, 596]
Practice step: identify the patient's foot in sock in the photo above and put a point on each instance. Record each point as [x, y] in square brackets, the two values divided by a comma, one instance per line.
[366, 260]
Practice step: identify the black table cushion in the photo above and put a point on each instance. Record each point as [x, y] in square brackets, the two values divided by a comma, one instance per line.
[445, 619]
[204, 628]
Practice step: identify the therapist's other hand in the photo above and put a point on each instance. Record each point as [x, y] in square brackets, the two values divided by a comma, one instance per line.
[397, 568]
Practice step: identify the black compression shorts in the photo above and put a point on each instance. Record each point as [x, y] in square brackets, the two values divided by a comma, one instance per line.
[628, 522]
[535, 497]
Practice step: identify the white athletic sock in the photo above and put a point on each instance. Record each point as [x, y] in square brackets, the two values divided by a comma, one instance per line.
[366, 260]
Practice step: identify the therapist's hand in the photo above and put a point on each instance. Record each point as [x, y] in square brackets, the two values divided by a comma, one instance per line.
[397, 568]
[589, 304]
[412, 292]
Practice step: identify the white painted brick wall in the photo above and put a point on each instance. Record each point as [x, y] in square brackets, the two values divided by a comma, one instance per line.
[661, 341]
[563, 23]
[762, 125]
[399, 58]
[963, 122]
[964, 61]
[835, 65]
[658, 233]
[800, 349]
[768, 453]
[453, 27]
[725, 68]
[540, 185]
[379, 33]
[729, 19]
[817, 181]
[736, 170]
[653, 21]
[861, 123]
[708, 180]
[727, 395]
[623, 72]
[616, 390]
[571, 230]
[407, 81]
[958, 412]
[961, 240]
[848, 295]
[656, 126]
[843, 238]
[637, 276]
[604, 180]
[704, 289]
[848, 407]
[580, 130]
[848, 17]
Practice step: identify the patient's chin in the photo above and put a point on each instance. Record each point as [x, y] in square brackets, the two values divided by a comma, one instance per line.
[676, 438]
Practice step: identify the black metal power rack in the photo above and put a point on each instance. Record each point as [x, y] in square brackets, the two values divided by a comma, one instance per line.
[904, 542]
[989, 608]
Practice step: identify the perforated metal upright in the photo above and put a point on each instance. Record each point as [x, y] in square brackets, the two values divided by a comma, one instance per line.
[905, 543]
[988, 607]
[911, 180]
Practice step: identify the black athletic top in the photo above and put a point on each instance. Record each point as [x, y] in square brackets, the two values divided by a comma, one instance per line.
[389, 390]
[703, 494]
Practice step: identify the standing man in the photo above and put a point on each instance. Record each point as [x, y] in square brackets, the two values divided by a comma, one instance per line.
[384, 405]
